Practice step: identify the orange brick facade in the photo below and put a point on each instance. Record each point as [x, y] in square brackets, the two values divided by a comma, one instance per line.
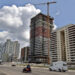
[39, 32]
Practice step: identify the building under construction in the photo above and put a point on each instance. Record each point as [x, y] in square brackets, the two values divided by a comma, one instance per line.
[41, 25]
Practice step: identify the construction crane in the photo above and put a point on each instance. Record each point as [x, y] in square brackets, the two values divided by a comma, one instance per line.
[48, 16]
[48, 6]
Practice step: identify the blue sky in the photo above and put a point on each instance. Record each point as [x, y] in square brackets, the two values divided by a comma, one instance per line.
[63, 11]
[15, 17]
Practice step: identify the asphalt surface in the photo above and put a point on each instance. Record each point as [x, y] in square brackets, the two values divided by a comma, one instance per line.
[9, 70]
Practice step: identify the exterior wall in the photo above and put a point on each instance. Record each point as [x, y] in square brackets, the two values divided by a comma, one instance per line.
[53, 47]
[62, 44]
[11, 49]
[65, 44]
[40, 38]
[1, 50]
[16, 50]
[24, 54]
[71, 34]
[58, 46]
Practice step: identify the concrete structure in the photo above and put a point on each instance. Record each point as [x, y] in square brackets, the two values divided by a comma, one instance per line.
[53, 46]
[40, 38]
[24, 54]
[9, 47]
[12, 49]
[62, 45]
[1, 49]
[16, 48]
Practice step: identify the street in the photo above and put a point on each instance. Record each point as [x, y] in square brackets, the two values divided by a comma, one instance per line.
[10, 70]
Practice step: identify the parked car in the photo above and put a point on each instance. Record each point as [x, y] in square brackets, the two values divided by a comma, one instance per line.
[60, 66]
[13, 63]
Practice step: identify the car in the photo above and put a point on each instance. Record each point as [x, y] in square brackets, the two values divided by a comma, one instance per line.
[13, 63]
[60, 66]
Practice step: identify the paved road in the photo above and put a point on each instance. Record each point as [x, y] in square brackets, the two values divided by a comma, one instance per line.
[9, 70]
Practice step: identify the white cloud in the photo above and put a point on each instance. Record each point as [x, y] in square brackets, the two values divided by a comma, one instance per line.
[3, 34]
[15, 22]
[55, 26]
[9, 20]
[27, 34]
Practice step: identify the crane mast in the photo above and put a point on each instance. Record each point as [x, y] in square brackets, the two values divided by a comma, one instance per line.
[48, 16]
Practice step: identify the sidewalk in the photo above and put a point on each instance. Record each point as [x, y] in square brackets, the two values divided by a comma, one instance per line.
[71, 70]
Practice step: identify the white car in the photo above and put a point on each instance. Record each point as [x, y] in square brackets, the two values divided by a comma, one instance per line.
[13, 63]
[58, 66]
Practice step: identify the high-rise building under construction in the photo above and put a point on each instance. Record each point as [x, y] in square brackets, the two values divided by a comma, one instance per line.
[41, 26]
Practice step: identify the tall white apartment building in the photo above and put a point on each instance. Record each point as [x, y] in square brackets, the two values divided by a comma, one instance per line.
[1, 50]
[12, 49]
[9, 47]
[16, 49]
[62, 45]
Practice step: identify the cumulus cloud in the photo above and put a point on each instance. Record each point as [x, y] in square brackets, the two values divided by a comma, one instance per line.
[3, 34]
[15, 22]
[55, 26]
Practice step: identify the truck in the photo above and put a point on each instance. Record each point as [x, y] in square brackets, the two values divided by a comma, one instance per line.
[60, 66]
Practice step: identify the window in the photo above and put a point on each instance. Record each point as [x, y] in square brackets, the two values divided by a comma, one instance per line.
[64, 64]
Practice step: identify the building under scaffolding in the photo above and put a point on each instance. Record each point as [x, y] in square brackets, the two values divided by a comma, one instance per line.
[39, 38]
